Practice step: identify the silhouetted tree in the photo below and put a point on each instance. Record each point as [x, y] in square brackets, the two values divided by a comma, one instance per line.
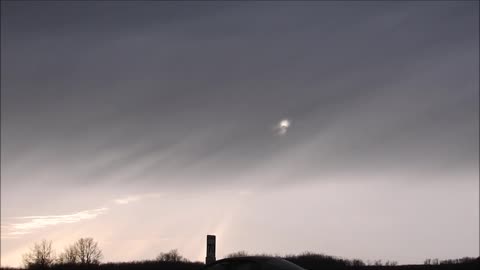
[87, 251]
[357, 263]
[458, 261]
[241, 253]
[391, 263]
[171, 256]
[69, 256]
[309, 260]
[40, 256]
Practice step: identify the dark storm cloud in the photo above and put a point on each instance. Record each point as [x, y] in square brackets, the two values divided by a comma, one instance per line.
[188, 89]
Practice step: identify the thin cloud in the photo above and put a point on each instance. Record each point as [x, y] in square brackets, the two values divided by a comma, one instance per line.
[134, 198]
[39, 222]
[127, 200]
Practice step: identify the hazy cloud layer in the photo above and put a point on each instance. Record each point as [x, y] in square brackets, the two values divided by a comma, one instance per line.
[188, 95]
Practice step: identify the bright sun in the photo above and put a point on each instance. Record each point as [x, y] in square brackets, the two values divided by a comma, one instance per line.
[284, 123]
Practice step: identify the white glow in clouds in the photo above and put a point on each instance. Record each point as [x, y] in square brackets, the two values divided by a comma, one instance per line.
[283, 126]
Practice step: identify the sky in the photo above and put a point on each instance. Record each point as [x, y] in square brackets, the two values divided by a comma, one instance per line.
[344, 128]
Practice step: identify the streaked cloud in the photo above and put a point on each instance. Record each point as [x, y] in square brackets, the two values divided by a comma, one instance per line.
[38, 222]
[127, 200]
[135, 198]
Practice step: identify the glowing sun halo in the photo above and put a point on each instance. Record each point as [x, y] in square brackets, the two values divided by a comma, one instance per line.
[285, 123]
[283, 126]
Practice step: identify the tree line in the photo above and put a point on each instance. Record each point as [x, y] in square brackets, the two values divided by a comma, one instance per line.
[85, 251]
[310, 258]
[450, 261]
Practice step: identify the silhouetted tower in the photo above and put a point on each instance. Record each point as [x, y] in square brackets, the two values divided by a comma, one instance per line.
[210, 249]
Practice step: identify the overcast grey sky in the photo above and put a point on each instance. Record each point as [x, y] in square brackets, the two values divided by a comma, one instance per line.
[152, 124]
